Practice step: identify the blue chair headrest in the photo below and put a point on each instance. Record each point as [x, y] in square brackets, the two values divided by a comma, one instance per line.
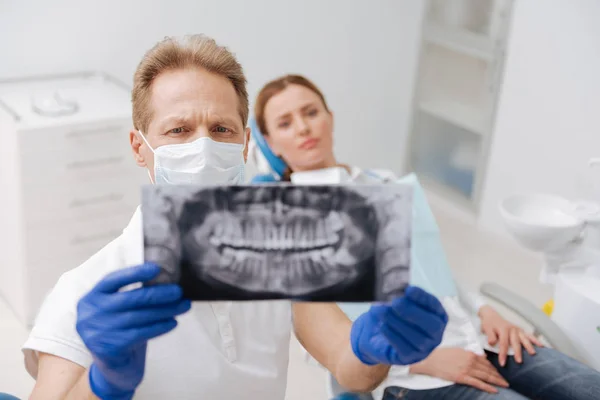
[5, 396]
[277, 164]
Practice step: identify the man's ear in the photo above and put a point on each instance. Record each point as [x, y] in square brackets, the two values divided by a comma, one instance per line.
[247, 140]
[136, 143]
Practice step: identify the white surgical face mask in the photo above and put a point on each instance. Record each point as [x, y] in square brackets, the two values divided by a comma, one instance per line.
[203, 161]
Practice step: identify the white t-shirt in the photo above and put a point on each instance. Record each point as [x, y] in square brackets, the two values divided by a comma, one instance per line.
[219, 350]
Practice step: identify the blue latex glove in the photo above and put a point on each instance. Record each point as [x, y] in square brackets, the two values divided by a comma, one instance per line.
[403, 332]
[115, 326]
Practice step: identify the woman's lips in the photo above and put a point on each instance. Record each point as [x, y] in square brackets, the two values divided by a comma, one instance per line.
[309, 144]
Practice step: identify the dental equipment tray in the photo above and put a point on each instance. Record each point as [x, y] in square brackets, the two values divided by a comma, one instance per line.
[311, 243]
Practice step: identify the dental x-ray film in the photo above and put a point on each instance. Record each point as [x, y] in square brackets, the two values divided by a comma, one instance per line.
[310, 243]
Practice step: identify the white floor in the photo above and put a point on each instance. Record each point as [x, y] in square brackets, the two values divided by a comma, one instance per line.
[474, 256]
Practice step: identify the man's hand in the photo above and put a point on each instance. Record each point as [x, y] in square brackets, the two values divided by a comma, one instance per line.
[499, 330]
[116, 326]
[463, 367]
[401, 333]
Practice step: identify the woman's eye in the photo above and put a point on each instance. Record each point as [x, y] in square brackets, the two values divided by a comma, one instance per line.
[313, 112]
[283, 124]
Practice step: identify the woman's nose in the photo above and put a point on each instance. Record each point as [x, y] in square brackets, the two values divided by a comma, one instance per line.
[302, 127]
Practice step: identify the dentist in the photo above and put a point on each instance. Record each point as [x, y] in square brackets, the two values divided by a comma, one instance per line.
[93, 340]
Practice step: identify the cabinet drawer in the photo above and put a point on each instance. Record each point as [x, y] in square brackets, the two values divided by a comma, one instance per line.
[67, 202]
[71, 168]
[67, 240]
[74, 138]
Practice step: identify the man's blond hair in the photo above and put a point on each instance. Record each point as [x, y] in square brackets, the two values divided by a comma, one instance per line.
[198, 51]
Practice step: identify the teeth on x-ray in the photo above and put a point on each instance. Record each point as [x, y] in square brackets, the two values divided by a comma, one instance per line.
[260, 235]
[321, 243]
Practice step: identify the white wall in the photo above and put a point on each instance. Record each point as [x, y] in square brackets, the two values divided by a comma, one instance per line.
[548, 123]
[361, 53]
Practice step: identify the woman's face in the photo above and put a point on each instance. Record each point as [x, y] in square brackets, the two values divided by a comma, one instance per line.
[300, 129]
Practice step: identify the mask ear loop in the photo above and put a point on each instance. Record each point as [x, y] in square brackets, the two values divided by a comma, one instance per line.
[245, 160]
[246, 143]
[153, 152]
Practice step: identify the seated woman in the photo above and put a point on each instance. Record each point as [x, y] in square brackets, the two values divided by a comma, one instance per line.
[482, 355]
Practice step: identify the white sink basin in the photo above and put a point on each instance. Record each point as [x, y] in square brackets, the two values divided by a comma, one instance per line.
[541, 222]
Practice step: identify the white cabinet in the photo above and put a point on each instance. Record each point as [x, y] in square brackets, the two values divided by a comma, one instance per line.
[459, 75]
[68, 181]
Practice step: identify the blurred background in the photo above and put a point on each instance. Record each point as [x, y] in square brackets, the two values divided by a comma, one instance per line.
[481, 98]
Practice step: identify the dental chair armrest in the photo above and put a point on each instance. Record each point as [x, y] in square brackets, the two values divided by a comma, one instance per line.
[536, 317]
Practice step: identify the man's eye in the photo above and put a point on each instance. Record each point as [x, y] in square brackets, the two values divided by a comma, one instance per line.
[177, 130]
[221, 129]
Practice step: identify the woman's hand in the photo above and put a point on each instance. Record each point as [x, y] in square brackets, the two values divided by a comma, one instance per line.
[461, 366]
[499, 330]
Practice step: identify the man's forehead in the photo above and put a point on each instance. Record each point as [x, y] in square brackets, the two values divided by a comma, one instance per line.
[185, 94]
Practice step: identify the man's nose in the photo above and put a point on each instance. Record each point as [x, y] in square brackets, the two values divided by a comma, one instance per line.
[200, 131]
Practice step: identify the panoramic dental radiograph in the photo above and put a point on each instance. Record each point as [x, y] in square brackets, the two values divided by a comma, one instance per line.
[312, 243]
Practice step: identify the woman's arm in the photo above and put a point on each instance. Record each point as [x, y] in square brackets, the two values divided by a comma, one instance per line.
[324, 331]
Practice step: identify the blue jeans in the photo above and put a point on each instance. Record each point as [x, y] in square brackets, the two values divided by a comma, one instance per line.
[548, 375]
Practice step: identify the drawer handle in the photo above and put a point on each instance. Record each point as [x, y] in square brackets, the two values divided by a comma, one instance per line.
[80, 239]
[93, 132]
[95, 163]
[113, 197]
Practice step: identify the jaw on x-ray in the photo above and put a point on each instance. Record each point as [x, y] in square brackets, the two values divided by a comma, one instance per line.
[312, 243]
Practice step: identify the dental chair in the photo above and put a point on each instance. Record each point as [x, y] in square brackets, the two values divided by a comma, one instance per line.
[271, 168]
[261, 158]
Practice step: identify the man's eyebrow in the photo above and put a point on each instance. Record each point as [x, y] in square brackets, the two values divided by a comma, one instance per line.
[228, 120]
[172, 119]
